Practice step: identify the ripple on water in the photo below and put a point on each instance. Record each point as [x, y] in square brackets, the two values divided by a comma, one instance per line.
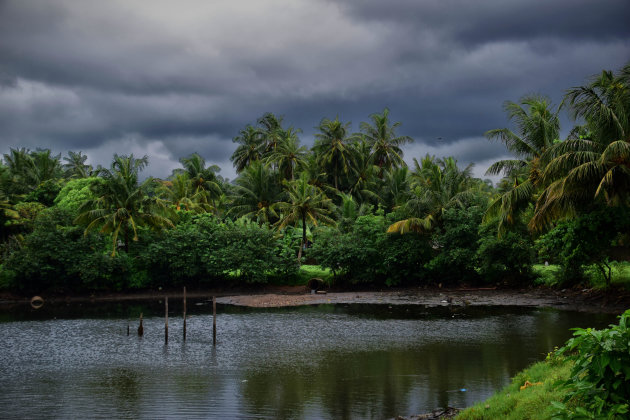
[322, 362]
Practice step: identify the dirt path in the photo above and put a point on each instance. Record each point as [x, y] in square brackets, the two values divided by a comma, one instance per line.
[584, 300]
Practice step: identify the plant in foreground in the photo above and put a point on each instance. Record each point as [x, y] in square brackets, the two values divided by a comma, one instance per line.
[599, 385]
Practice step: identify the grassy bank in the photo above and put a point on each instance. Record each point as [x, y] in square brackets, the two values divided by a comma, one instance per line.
[532, 402]
[548, 275]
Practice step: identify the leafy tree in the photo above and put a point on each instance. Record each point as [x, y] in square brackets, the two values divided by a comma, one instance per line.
[256, 194]
[120, 206]
[203, 179]
[454, 243]
[585, 240]
[288, 156]
[593, 166]
[180, 191]
[75, 192]
[331, 148]
[305, 204]
[439, 185]
[365, 253]
[538, 127]
[507, 258]
[386, 145]
[75, 166]
[58, 257]
[250, 145]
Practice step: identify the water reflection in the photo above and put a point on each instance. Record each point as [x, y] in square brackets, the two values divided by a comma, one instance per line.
[327, 361]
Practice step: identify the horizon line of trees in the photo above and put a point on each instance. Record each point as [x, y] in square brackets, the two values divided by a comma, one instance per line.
[327, 195]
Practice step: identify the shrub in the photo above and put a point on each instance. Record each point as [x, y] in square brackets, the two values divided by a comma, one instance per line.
[599, 386]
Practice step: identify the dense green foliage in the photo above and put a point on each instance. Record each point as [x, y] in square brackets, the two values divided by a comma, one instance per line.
[588, 378]
[599, 384]
[350, 203]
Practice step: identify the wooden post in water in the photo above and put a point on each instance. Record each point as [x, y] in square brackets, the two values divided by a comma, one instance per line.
[214, 321]
[140, 328]
[166, 320]
[184, 313]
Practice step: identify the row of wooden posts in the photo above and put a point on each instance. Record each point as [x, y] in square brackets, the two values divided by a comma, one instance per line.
[214, 320]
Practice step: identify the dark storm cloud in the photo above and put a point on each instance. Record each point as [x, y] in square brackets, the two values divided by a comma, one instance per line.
[169, 80]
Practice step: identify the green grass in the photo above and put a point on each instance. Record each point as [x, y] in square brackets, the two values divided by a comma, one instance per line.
[306, 273]
[533, 402]
[547, 275]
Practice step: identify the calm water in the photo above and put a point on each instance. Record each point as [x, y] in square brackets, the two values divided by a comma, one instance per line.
[327, 361]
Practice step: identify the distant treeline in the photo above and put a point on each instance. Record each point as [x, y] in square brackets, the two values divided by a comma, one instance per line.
[350, 203]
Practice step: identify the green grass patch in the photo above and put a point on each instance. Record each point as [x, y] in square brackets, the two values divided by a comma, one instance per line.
[531, 403]
[305, 273]
[548, 275]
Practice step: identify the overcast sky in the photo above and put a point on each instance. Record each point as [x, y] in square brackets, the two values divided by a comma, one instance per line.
[167, 78]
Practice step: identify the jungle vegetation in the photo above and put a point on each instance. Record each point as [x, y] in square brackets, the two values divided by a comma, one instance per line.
[349, 203]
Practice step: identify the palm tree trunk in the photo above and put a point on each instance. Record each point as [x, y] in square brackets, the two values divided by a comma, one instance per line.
[303, 244]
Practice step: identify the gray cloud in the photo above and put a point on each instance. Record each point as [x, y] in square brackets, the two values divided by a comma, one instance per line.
[172, 79]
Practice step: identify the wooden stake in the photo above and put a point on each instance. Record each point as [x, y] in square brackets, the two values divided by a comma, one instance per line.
[214, 321]
[140, 328]
[166, 320]
[184, 313]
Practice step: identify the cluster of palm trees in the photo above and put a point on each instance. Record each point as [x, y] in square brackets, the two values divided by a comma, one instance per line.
[281, 183]
[550, 179]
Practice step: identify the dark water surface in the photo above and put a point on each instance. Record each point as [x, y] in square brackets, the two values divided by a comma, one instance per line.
[312, 362]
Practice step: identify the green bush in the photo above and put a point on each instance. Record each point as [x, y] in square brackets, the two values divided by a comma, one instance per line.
[57, 256]
[204, 250]
[578, 243]
[599, 385]
[367, 254]
[508, 258]
[455, 245]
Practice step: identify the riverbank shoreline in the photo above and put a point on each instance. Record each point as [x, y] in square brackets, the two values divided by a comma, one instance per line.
[583, 300]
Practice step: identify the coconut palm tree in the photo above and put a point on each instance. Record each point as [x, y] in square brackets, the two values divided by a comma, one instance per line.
[439, 185]
[75, 166]
[288, 156]
[121, 206]
[386, 145]
[256, 194]
[305, 203]
[593, 167]
[396, 190]
[332, 149]
[180, 192]
[270, 128]
[538, 127]
[363, 173]
[250, 148]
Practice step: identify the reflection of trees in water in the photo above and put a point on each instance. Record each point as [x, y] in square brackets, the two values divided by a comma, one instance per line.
[381, 384]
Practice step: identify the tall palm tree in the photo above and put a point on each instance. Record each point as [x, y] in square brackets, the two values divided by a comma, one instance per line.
[120, 205]
[594, 166]
[180, 192]
[250, 148]
[538, 127]
[386, 145]
[439, 185]
[305, 203]
[256, 194]
[332, 149]
[396, 189]
[288, 156]
[75, 166]
[204, 182]
[271, 131]
[363, 173]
